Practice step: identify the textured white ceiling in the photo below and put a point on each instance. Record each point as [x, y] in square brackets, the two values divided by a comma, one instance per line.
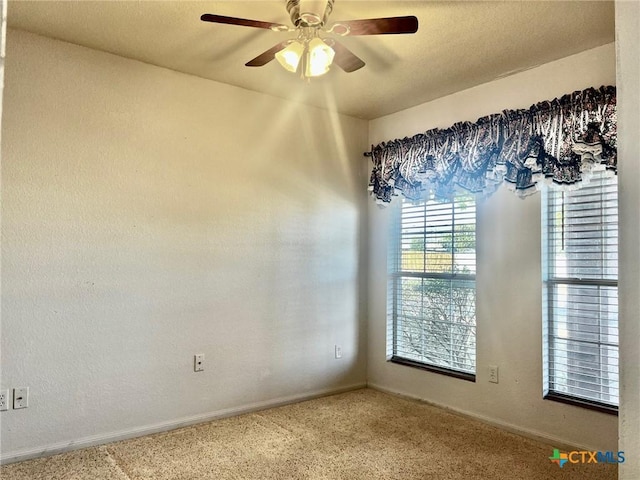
[458, 44]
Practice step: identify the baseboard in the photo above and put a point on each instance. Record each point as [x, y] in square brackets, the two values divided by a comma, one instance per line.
[92, 441]
[523, 432]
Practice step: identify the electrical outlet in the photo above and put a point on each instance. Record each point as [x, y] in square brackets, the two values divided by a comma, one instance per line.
[493, 373]
[198, 362]
[4, 400]
[20, 397]
[338, 351]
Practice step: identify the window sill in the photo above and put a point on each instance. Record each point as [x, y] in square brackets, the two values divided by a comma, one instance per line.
[578, 402]
[431, 368]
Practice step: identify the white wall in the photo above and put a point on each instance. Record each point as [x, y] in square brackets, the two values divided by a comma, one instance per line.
[509, 291]
[628, 62]
[149, 215]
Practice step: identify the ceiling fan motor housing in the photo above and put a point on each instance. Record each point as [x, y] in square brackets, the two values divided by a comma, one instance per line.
[308, 19]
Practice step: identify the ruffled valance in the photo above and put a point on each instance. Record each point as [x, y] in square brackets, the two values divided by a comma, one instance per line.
[559, 141]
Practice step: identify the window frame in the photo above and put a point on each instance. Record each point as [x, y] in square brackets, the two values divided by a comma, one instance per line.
[551, 282]
[395, 276]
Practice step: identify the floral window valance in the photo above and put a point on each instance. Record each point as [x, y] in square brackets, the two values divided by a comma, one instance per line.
[558, 141]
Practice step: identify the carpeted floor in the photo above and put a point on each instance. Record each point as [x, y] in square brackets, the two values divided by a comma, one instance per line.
[364, 434]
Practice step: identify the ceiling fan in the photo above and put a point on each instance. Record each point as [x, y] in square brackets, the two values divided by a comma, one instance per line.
[309, 53]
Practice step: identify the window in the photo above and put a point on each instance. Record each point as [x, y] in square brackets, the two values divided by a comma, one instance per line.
[580, 268]
[432, 287]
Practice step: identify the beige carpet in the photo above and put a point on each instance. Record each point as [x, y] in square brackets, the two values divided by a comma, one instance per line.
[364, 434]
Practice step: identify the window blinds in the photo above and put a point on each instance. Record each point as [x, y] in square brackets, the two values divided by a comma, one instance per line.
[431, 285]
[582, 291]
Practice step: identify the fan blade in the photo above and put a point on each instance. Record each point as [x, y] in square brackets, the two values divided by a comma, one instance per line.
[208, 17]
[345, 58]
[266, 57]
[382, 26]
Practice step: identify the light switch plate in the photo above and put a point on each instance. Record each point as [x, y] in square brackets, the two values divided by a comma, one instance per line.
[20, 397]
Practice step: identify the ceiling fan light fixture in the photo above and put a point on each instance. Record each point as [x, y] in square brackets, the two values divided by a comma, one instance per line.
[319, 58]
[290, 56]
